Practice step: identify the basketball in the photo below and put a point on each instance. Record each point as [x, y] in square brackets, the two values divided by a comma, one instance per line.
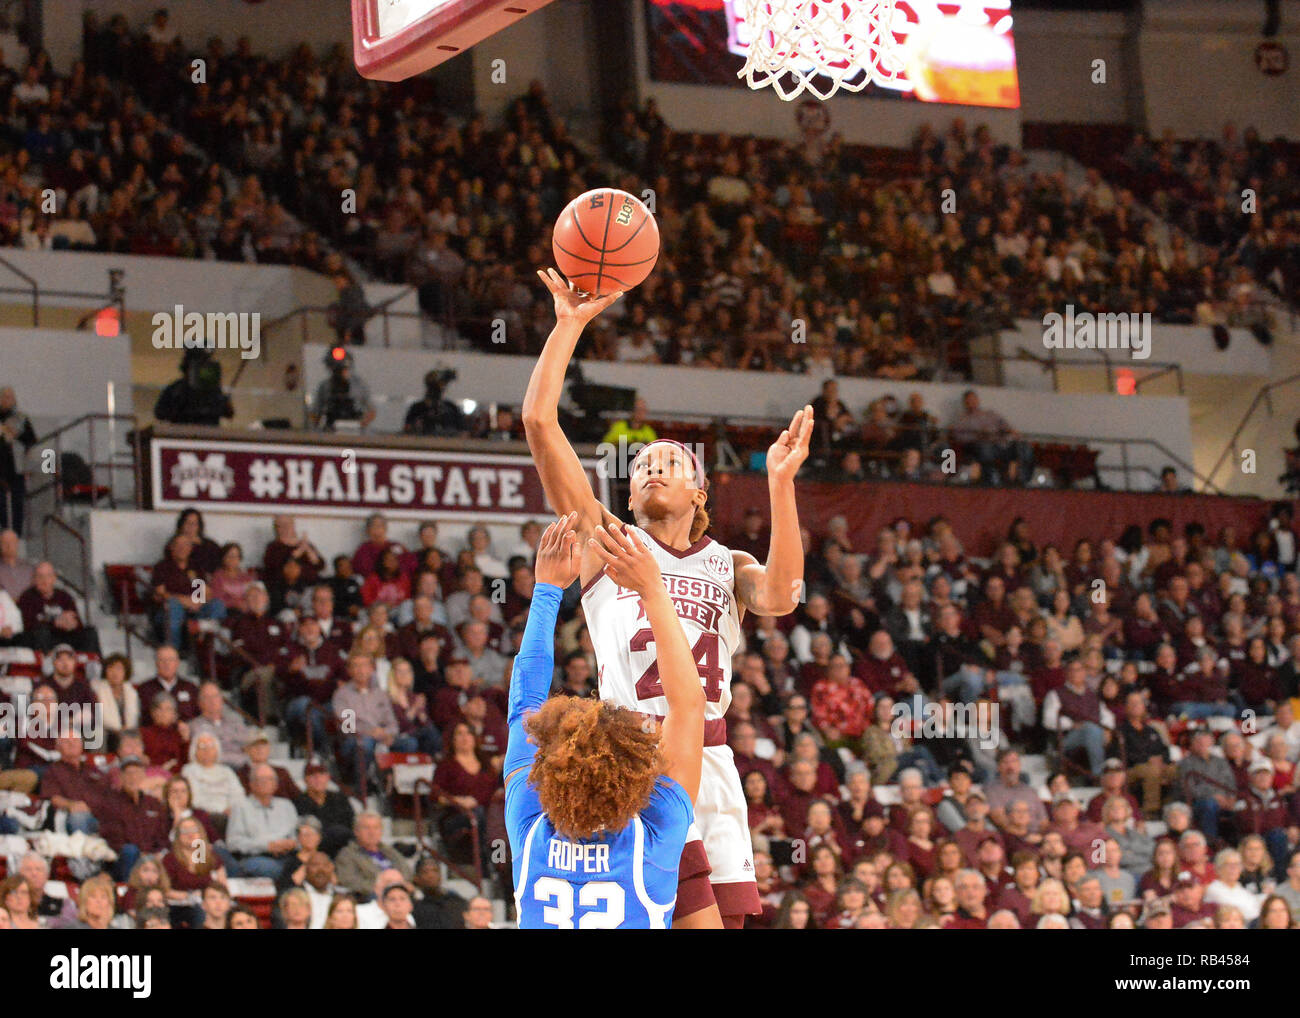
[605, 240]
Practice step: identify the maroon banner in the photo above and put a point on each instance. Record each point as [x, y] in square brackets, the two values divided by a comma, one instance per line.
[333, 480]
[982, 516]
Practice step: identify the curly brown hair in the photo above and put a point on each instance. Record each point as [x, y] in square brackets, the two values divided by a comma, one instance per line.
[596, 764]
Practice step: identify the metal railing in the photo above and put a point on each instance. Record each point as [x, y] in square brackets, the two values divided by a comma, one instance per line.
[111, 464]
[1262, 398]
[114, 296]
[83, 588]
[33, 287]
[438, 798]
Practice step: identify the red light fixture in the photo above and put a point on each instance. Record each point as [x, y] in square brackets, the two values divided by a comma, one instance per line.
[108, 322]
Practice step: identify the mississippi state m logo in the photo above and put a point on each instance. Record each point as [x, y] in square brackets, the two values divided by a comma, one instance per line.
[192, 475]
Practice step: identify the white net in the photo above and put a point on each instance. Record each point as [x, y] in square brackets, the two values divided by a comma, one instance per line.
[819, 46]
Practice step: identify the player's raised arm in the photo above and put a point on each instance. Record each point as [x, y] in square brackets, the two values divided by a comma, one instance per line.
[774, 588]
[563, 479]
[557, 564]
[629, 564]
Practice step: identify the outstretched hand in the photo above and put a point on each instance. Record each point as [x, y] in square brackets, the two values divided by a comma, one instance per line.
[787, 453]
[628, 562]
[573, 305]
[558, 557]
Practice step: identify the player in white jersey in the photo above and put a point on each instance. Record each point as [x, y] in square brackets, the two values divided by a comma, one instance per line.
[711, 586]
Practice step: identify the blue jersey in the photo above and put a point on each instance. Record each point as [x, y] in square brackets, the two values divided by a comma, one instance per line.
[624, 880]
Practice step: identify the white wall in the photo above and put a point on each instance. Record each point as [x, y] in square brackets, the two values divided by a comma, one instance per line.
[159, 283]
[1198, 68]
[62, 374]
[1190, 346]
[1054, 55]
[555, 45]
[491, 378]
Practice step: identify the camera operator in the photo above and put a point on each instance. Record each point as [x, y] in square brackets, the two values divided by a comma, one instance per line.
[196, 397]
[435, 415]
[342, 396]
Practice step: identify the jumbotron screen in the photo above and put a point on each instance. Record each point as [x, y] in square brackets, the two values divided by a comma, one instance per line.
[961, 51]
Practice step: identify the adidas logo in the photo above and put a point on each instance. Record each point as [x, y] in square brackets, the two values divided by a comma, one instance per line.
[748, 865]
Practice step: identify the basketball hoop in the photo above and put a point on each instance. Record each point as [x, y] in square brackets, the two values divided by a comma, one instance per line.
[850, 42]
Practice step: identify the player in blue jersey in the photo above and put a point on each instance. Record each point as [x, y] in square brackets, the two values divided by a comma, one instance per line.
[599, 798]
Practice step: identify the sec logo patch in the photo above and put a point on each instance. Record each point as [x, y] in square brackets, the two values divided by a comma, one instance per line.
[719, 565]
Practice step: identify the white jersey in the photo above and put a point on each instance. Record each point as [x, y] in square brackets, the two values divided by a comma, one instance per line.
[701, 583]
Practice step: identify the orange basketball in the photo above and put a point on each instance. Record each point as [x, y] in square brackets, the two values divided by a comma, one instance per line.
[605, 240]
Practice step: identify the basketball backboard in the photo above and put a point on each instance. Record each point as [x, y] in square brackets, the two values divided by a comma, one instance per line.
[395, 39]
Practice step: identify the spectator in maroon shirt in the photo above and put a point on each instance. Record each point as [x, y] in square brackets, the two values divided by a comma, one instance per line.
[260, 638]
[50, 615]
[69, 687]
[488, 726]
[884, 670]
[167, 679]
[34, 753]
[1203, 692]
[1189, 908]
[799, 794]
[205, 554]
[992, 617]
[763, 816]
[1077, 834]
[753, 536]
[920, 845]
[427, 535]
[1050, 674]
[132, 822]
[421, 625]
[288, 543]
[978, 828]
[1017, 896]
[1255, 679]
[1114, 781]
[821, 828]
[448, 702]
[72, 784]
[313, 668]
[811, 672]
[335, 625]
[743, 738]
[469, 781]
[806, 747]
[366, 558]
[823, 883]
[1263, 811]
[180, 591]
[1144, 631]
[166, 738]
[972, 910]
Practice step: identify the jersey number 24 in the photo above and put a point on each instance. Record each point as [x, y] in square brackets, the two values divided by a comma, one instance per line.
[705, 653]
